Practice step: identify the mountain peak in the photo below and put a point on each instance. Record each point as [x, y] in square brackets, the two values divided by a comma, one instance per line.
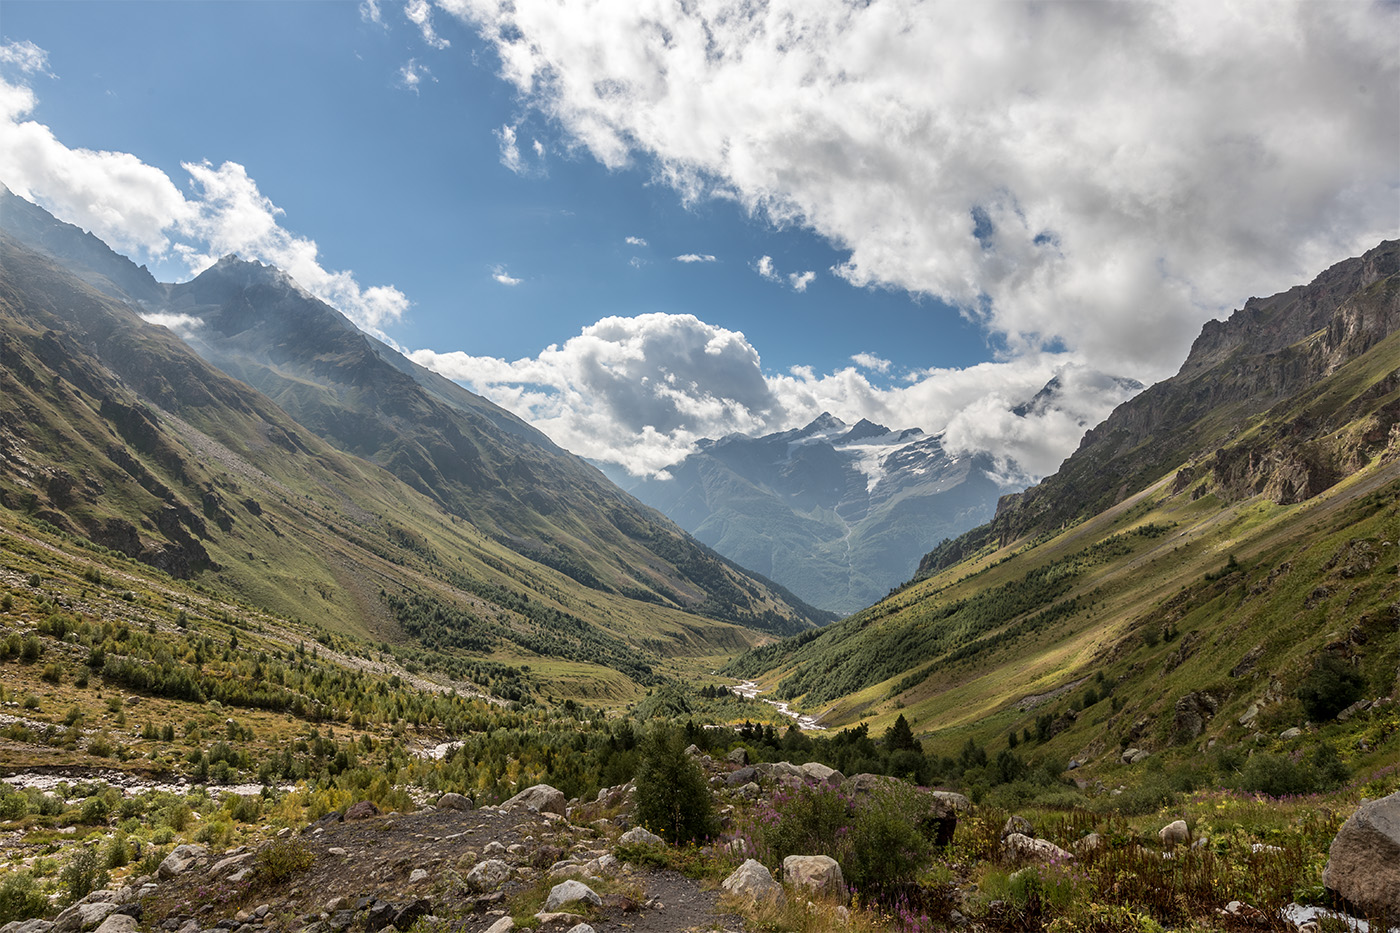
[821, 424]
[863, 428]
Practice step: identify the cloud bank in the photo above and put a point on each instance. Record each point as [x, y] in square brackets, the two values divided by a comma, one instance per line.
[137, 209]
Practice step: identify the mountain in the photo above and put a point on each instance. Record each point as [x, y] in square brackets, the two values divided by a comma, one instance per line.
[834, 512]
[1211, 546]
[403, 509]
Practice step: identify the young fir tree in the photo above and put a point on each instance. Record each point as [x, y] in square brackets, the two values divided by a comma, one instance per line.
[672, 799]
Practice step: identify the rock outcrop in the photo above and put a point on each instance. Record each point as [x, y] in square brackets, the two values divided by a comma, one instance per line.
[1363, 865]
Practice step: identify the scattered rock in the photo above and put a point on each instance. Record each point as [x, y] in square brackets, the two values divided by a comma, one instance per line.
[743, 775]
[540, 797]
[739, 756]
[361, 811]
[1174, 834]
[817, 873]
[569, 892]
[454, 802]
[488, 875]
[503, 925]
[818, 773]
[753, 882]
[1093, 842]
[1017, 824]
[958, 802]
[82, 917]
[117, 923]
[417, 875]
[180, 860]
[639, 836]
[1020, 847]
[1293, 733]
[582, 928]
[1363, 865]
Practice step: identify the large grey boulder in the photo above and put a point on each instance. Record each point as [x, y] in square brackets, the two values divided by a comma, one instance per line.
[27, 926]
[818, 773]
[487, 875]
[180, 860]
[752, 881]
[1174, 834]
[82, 917]
[117, 923]
[540, 797]
[639, 836]
[1363, 864]
[1022, 848]
[569, 892]
[817, 873]
[454, 802]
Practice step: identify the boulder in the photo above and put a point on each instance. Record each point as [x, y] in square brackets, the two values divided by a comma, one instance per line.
[865, 783]
[82, 917]
[1022, 848]
[569, 892]
[361, 811]
[1363, 865]
[487, 876]
[741, 776]
[117, 923]
[639, 836]
[1289, 734]
[753, 882]
[739, 756]
[818, 773]
[27, 926]
[540, 797]
[180, 860]
[581, 928]
[454, 802]
[956, 802]
[1017, 824]
[503, 925]
[817, 873]
[1174, 834]
[1093, 842]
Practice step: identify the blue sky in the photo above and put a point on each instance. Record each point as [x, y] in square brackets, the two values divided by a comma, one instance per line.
[917, 213]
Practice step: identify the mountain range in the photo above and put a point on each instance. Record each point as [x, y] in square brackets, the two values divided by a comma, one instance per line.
[834, 512]
[317, 473]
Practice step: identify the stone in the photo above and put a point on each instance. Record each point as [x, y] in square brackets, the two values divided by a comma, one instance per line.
[454, 802]
[639, 836]
[1192, 713]
[582, 928]
[743, 775]
[1093, 842]
[753, 882]
[1017, 824]
[180, 860]
[488, 875]
[749, 791]
[27, 926]
[1020, 848]
[409, 914]
[1249, 715]
[569, 892]
[817, 873]
[503, 925]
[417, 875]
[540, 797]
[82, 917]
[1363, 864]
[117, 923]
[739, 756]
[1174, 834]
[228, 866]
[818, 773]
[692, 751]
[957, 802]
[493, 848]
[1293, 733]
[363, 810]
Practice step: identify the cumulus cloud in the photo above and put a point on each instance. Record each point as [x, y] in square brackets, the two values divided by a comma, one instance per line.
[800, 280]
[635, 241]
[695, 257]
[1101, 177]
[136, 208]
[420, 14]
[797, 281]
[641, 391]
[413, 73]
[500, 275]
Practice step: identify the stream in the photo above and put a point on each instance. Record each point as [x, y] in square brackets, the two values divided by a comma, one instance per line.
[750, 691]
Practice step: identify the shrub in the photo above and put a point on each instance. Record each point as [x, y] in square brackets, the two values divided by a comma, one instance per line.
[21, 897]
[83, 874]
[1330, 687]
[672, 798]
[282, 859]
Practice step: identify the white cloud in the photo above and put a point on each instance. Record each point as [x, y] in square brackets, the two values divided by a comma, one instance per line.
[370, 13]
[500, 275]
[510, 152]
[871, 361]
[1099, 176]
[136, 208]
[695, 257]
[181, 324]
[800, 280]
[25, 55]
[420, 14]
[797, 281]
[641, 391]
[635, 241]
[538, 147]
[764, 267]
[412, 74]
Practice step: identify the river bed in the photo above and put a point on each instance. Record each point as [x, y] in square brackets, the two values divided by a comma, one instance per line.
[749, 690]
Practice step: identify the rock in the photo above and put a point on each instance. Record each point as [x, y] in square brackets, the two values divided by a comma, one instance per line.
[409, 914]
[739, 756]
[749, 791]
[1093, 842]
[1360, 706]
[488, 875]
[1020, 848]
[1174, 834]
[639, 836]
[82, 917]
[865, 783]
[753, 882]
[1017, 824]
[1192, 713]
[417, 875]
[957, 802]
[582, 928]
[27, 926]
[540, 797]
[1293, 733]
[361, 811]
[817, 873]
[558, 919]
[1249, 715]
[1363, 865]
[493, 848]
[454, 802]
[117, 923]
[503, 925]
[569, 892]
[742, 776]
[228, 866]
[180, 860]
[818, 773]
[692, 751]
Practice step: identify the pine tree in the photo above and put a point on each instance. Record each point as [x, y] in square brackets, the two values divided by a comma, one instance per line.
[672, 799]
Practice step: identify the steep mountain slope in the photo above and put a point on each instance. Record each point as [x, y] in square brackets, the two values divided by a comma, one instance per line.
[1206, 545]
[832, 511]
[474, 459]
[112, 430]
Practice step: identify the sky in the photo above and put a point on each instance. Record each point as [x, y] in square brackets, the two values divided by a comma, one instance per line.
[641, 224]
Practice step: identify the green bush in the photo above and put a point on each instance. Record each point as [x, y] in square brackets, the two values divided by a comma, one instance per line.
[21, 897]
[83, 874]
[1330, 687]
[672, 799]
[282, 859]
